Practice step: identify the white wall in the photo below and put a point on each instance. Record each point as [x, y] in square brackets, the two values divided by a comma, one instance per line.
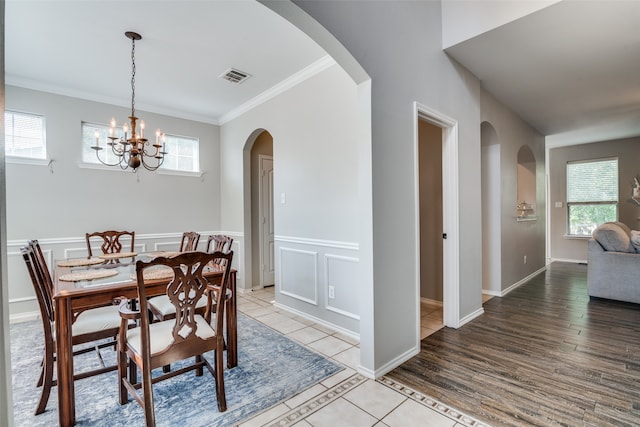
[400, 48]
[525, 238]
[313, 126]
[58, 208]
[77, 200]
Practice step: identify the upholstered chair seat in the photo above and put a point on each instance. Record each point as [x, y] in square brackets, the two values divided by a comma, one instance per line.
[96, 319]
[161, 335]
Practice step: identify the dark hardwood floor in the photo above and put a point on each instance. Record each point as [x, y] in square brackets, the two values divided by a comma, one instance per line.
[544, 355]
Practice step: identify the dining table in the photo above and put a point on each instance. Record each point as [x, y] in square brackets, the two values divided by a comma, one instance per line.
[73, 296]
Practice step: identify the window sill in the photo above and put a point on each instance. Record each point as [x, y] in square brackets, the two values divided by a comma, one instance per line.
[86, 165]
[179, 173]
[27, 161]
[577, 237]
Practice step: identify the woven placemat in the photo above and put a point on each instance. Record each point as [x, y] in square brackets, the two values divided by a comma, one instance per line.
[118, 255]
[88, 275]
[79, 262]
[166, 254]
[156, 273]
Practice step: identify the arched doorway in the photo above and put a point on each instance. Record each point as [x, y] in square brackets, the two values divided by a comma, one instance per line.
[262, 248]
[258, 210]
[491, 202]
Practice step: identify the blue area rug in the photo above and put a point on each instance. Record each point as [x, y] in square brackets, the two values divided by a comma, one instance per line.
[271, 368]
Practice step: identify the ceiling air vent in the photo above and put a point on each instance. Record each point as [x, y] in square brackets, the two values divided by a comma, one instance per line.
[235, 76]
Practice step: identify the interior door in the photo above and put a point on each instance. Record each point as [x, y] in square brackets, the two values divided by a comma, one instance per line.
[267, 260]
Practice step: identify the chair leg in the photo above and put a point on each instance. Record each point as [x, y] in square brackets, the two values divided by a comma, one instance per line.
[122, 374]
[133, 372]
[147, 396]
[199, 370]
[47, 380]
[219, 380]
[41, 379]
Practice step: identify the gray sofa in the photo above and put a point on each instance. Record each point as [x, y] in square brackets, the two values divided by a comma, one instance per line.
[614, 263]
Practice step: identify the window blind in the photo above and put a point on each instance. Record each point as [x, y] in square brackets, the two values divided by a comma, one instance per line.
[24, 135]
[592, 181]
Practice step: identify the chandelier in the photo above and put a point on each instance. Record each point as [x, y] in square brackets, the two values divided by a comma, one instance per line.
[134, 151]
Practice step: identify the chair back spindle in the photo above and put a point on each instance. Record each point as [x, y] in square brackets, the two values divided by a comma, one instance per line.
[190, 240]
[110, 241]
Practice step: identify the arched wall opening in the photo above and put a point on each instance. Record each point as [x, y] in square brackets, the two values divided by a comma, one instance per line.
[260, 254]
[527, 188]
[490, 210]
[248, 205]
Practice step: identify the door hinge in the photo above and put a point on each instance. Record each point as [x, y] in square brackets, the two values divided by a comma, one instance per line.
[444, 235]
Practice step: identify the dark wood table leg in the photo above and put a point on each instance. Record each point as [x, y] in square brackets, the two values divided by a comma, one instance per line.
[232, 325]
[64, 362]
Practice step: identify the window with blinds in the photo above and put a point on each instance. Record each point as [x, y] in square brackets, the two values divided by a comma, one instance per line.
[24, 135]
[592, 194]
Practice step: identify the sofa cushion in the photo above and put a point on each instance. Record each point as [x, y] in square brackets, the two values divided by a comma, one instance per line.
[614, 237]
[624, 226]
[635, 240]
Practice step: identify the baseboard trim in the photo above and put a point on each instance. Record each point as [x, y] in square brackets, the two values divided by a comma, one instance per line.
[391, 365]
[319, 321]
[574, 261]
[24, 317]
[431, 301]
[523, 281]
[468, 318]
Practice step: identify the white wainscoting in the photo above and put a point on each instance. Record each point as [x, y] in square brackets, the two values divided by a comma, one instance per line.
[308, 268]
[299, 274]
[22, 301]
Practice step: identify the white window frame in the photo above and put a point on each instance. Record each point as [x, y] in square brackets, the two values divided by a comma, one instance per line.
[612, 202]
[166, 171]
[94, 163]
[37, 161]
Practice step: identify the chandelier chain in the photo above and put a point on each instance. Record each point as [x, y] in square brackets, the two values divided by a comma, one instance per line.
[133, 77]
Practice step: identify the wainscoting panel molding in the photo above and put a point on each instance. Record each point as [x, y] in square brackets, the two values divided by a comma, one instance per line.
[299, 274]
[342, 279]
[308, 271]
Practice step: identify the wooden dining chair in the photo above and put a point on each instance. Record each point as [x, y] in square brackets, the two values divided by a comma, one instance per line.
[219, 242]
[189, 241]
[162, 308]
[152, 345]
[88, 326]
[110, 241]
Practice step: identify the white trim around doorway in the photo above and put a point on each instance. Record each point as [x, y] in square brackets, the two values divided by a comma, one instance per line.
[450, 214]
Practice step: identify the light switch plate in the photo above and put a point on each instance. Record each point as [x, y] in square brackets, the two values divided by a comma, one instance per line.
[558, 204]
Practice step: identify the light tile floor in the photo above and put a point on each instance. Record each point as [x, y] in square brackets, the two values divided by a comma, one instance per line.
[430, 318]
[347, 398]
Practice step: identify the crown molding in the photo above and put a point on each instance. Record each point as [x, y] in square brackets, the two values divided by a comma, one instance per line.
[297, 78]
